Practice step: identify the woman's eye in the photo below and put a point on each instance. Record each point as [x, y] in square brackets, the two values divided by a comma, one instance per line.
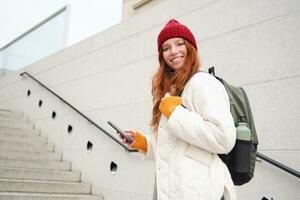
[165, 49]
[181, 43]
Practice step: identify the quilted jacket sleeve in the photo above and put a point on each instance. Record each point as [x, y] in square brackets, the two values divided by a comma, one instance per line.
[207, 121]
[149, 155]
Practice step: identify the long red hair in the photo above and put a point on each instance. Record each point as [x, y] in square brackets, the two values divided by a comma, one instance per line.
[165, 77]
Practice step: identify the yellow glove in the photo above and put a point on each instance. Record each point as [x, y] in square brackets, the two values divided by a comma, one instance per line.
[168, 105]
[139, 142]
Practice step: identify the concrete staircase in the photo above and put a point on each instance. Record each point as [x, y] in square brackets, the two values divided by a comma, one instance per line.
[29, 167]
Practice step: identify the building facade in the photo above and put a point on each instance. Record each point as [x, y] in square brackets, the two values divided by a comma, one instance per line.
[253, 44]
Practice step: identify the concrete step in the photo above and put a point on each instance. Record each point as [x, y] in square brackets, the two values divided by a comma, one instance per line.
[16, 131]
[39, 174]
[29, 147]
[22, 125]
[24, 155]
[46, 196]
[12, 119]
[14, 185]
[11, 114]
[6, 112]
[25, 138]
[37, 164]
[16, 123]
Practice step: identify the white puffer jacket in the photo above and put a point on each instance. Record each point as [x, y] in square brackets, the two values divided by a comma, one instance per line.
[187, 164]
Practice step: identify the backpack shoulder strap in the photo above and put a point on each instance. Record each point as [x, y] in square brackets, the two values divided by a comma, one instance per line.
[211, 71]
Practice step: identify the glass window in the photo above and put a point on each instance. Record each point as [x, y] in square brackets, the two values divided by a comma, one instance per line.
[42, 40]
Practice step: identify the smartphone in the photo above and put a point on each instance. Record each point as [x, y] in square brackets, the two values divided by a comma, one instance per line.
[123, 134]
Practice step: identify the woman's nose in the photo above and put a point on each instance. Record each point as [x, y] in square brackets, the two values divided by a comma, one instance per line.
[174, 49]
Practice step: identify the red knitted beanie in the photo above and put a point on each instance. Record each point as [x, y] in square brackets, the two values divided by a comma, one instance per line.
[174, 29]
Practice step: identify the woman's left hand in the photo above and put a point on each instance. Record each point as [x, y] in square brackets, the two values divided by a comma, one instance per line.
[169, 103]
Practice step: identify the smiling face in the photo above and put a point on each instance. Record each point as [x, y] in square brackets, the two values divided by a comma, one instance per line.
[174, 53]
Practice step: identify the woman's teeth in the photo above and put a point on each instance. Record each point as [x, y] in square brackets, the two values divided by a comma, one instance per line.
[175, 60]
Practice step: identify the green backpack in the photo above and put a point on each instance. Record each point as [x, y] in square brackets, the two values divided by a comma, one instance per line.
[241, 160]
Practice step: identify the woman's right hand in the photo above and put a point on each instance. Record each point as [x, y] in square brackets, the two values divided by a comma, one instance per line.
[139, 140]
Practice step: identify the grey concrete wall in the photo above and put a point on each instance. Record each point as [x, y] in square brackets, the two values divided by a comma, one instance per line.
[130, 7]
[254, 44]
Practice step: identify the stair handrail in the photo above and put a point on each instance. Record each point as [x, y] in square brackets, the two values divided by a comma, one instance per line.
[260, 155]
[80, 113]
[278, 164]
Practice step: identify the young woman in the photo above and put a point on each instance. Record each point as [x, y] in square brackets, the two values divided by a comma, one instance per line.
[191, 123]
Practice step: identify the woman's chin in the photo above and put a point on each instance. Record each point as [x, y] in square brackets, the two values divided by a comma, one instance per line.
[177, 67]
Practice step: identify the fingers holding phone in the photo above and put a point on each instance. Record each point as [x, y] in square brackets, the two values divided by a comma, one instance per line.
[129, 133]
[139, 140]
[122, 138]
[122, 135]
[135, 144]
[133, 139]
